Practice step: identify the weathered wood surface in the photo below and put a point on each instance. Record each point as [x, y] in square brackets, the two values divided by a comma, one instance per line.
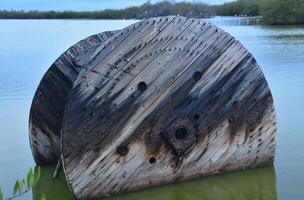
[164, 100]
[51, 97]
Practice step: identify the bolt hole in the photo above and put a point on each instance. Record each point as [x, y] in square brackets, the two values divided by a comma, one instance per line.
[181, 133]
[122, 150]
[196, 117]
[142, 86]
[197, 75]
[152, 160]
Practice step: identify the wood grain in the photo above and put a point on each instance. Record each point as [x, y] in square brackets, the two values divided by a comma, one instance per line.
[51, 97]
[164, 100]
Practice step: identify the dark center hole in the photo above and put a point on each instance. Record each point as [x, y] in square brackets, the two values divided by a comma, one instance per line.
[122, 150]
[181, 133]
[196, 117]
[197, 75]
[152, 160]
[142, 86]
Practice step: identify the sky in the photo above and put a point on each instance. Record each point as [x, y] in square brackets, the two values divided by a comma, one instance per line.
[78, 5]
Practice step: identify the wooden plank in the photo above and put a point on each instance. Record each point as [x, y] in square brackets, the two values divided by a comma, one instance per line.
[51, 97]
[150, 108]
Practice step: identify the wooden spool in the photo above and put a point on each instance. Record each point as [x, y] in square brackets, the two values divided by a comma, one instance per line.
[51, 97]
[164, 100]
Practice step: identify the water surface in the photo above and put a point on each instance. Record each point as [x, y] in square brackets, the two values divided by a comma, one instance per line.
[28, 47]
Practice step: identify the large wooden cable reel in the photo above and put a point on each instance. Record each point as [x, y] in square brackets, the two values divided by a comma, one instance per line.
[162, 100]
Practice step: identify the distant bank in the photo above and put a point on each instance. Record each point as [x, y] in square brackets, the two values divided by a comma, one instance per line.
[273, 12]
[146, 10]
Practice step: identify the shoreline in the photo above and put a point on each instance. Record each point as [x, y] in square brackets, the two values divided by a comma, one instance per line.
[273, 12]
[117, 19]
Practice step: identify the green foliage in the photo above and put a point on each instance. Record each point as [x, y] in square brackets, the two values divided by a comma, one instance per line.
[37, 174]
[274, 12]
[22, 186]
[281, 12]
[195, 9]
[240, 7]
[19, 187]
[30, 178]
[1, 194]
[16, 188]
[43, 197]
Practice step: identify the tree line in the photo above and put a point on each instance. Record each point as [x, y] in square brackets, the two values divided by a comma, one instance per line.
[196, 9]
[273, 12]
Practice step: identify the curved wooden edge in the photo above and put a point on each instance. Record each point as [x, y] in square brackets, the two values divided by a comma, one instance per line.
[51, 97]
[118, 132]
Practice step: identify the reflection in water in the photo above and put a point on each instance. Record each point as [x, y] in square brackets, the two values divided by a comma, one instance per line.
[54, 189]
[256, 184]
[288, 37]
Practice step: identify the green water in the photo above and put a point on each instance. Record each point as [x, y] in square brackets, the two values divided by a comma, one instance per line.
[28, 47]
[257, 184]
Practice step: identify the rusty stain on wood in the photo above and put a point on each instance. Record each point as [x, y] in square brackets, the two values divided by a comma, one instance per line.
[163, 100]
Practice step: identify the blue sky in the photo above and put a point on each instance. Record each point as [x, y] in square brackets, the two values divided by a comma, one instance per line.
[77, 4]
